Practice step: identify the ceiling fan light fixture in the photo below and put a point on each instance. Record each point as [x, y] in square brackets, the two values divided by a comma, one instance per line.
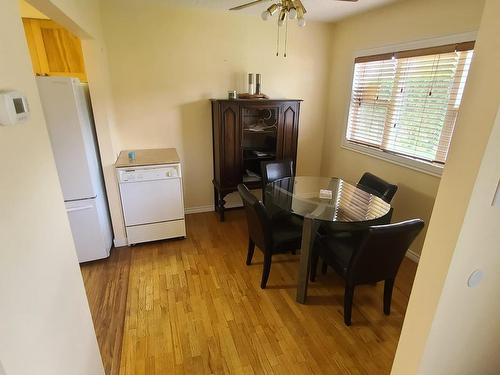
[273, 9]
[300, 12]
[269, 12]
[288, 9]
[282, 17]
[300, 17]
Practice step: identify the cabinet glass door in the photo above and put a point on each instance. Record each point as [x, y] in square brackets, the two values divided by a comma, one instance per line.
[260, 129]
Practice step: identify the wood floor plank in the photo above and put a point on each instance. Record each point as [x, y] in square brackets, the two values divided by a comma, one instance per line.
[193, 307]
[106, 282]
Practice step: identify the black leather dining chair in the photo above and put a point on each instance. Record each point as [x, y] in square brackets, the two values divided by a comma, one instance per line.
[272, 236]
[275, 170]
[375, 185]
[374, 256]
[371, 184]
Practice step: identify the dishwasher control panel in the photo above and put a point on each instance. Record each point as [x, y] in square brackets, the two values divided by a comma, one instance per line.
[127, 175]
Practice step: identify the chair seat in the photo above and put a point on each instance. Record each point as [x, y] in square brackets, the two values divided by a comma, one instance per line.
[287, 233]
[337, 251]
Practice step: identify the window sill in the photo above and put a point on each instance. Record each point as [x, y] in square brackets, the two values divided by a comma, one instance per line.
[417, 165]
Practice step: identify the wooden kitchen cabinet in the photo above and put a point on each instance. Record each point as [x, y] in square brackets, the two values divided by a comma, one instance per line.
[54, 50]
[245, 133]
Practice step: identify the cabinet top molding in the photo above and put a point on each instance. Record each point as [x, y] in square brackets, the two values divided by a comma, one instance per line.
[256, 100]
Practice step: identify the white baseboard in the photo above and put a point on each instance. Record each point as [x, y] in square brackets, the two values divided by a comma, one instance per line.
[413, 256]
[119, 242]
[198, 209]
[209, 208]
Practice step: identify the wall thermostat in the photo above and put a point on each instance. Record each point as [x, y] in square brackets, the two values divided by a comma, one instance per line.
[13, 108]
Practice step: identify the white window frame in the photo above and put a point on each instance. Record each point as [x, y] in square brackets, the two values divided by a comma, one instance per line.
[433, 169]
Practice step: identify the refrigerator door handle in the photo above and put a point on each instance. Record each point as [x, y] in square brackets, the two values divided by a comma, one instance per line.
[78, 208]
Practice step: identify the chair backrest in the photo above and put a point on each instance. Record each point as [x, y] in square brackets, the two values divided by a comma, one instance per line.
[258, 220]
[381, 251]
[376, 186]
[275, 169]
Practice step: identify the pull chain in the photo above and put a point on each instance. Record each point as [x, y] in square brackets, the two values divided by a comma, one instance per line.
[278, 40]
[286, 36]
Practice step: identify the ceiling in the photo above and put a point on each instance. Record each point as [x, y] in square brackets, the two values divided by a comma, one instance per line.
[319, 10]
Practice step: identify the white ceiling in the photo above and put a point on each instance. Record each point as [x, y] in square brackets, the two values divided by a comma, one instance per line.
[319, 10]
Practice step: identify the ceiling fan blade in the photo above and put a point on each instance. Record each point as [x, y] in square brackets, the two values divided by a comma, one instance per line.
[247, 5]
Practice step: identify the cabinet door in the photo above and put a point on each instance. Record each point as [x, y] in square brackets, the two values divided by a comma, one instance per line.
[259, 126]
[288, 131]
[31, 38]
[53, 49]
[230, 142]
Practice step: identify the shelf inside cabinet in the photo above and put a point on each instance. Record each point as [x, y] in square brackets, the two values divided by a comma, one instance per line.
[260, 131]
[251, 154]
[251, 176]
[247, 178]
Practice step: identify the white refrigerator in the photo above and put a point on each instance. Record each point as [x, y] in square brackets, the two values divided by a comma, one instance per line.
[67, 109]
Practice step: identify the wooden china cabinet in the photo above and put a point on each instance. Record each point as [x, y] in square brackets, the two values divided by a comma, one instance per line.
[246, 132]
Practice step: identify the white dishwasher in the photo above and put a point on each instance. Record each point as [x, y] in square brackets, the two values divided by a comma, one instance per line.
[152, 202]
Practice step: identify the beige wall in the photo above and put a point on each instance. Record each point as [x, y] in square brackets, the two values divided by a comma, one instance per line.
[402, 22]
[166, 63]
[82, 17]
[96, 64]
[29, 11]
[476, 330]
[45, 322]
[464, 337]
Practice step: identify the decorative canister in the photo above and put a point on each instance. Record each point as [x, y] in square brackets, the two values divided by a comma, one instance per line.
[251, 86]
[258, 84]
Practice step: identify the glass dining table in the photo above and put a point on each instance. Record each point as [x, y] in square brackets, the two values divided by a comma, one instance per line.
[323, 200]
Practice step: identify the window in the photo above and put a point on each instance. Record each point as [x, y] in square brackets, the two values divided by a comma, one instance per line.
[406, 103]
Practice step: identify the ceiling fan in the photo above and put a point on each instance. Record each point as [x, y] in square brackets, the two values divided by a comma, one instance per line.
[288, 9]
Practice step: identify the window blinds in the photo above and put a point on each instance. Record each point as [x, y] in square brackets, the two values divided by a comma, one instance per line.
[407, 102]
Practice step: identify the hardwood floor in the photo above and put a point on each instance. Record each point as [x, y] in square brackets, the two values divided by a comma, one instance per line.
[106, 282]
[194, 307]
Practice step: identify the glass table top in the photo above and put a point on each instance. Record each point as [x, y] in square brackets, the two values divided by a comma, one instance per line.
[339, 201]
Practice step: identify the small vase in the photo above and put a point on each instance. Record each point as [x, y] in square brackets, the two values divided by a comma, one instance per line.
[250, 84]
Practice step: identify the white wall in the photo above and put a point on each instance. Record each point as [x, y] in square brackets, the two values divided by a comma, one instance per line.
[45, 322]
[461, 335]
